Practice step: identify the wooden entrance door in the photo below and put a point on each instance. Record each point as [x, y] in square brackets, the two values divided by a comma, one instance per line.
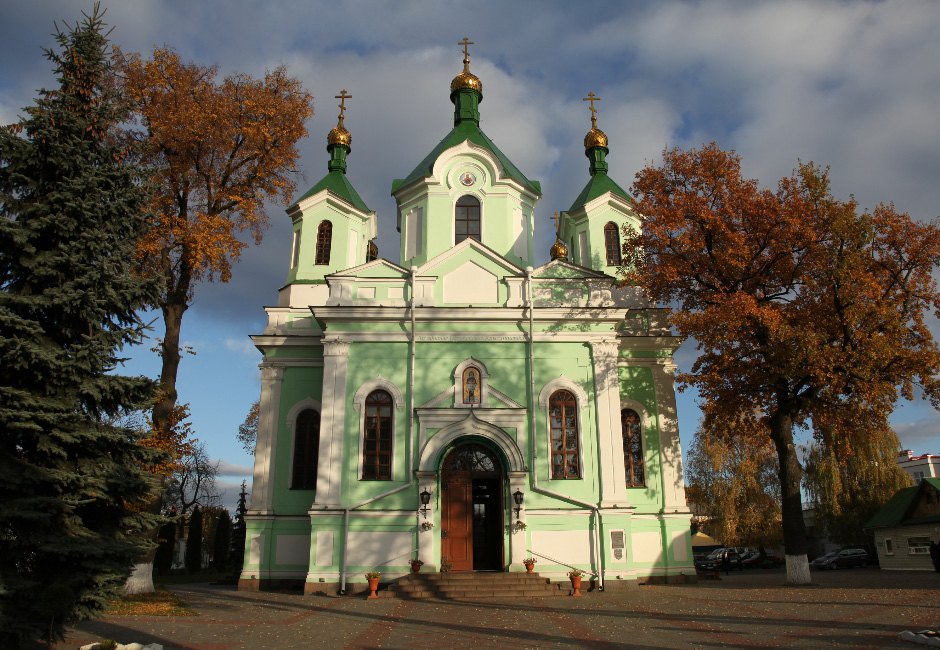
[457, 522]
[471, 509]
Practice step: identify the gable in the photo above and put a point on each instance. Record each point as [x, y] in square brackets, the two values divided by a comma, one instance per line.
[380, 268]
[566, 270]
[470, 250]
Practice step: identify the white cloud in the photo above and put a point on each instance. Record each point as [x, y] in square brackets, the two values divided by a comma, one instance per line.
[243, 346]
[231, 469]
[920, 436]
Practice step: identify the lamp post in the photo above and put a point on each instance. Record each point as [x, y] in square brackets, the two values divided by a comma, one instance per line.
[425, 500]
[518, 497]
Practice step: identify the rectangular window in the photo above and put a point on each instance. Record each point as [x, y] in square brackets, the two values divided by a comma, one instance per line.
[584, 258]
[918, 476]
[918, 545]
[889, 547]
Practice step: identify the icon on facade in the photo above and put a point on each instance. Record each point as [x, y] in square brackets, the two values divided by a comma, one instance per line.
[467, 179]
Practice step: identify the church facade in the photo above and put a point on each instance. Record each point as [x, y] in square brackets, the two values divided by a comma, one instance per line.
[459, 406]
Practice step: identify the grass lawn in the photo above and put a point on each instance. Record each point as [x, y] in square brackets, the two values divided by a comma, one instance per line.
[159, 603]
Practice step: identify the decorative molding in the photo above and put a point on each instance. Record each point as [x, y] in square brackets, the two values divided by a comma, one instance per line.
[559, 383]
[484, 393]
[298, 408]
[336, 348]
[375, 384]
[605, 349]
[271, 372]
[430, 457]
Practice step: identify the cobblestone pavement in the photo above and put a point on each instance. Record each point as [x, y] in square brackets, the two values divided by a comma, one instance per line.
[845, 609]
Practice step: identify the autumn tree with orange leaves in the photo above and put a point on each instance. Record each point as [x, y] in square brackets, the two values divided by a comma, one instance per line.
[218, 150]
[802, 306]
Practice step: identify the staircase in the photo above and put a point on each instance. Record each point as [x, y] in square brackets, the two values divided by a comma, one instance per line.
[473, 585]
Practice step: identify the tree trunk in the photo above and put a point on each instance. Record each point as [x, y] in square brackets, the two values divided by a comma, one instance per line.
[790, 473]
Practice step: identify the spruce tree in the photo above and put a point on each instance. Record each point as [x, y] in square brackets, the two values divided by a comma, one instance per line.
[238, 529]
[221, 546]
[194, 542]
[71, 208]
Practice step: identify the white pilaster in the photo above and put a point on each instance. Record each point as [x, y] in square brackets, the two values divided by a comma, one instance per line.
[332, 424]
[670, 449]
[262, 491]
[613, 478]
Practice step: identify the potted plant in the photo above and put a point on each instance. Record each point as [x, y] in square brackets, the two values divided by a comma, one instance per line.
[373, 578]
[575, 576]
[416, 565]
[519, 526]
[529, 562]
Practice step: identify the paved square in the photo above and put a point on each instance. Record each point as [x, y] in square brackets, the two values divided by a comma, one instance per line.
[852, 609]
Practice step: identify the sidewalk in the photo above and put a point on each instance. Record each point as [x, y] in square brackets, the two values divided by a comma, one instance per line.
[856, 608]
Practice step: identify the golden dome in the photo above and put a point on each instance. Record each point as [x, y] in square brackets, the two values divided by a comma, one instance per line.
[466, 79]
[339, 135]
[595, 138]
[559, 250]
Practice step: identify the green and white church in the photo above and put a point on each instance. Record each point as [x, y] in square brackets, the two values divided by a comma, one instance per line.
[459, 406]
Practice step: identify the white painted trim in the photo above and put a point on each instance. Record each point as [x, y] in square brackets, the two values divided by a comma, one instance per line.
[379, 383]
[291, 420]
[563, 383]
[504, 399]
[430, 455]
[557, 384]
[646, 425]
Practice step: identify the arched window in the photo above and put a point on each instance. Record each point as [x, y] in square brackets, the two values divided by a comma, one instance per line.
[563, 416]
[472, 385]
[632, 448]
[306, 451]
[324, 241]
[467, 219]
[612, 243]
[377, 439]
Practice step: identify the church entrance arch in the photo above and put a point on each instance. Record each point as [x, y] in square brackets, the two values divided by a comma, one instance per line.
[472, 506]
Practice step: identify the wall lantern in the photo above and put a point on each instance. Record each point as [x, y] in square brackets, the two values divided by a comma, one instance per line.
[518, 497]
[425, 500]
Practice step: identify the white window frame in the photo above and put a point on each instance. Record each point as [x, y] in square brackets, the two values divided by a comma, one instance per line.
[918, 549]
[453, 217]
[581, 399]
[646, 423]
[291, 424]
[295, 250]
[889, 546]
[379, 383]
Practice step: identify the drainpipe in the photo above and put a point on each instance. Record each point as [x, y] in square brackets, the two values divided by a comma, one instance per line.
[411, 478]
[595, 513]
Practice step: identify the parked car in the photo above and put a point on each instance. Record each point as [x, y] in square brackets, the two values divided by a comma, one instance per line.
[772, 561]
[715, 560]
[847, 557]
[751, 560]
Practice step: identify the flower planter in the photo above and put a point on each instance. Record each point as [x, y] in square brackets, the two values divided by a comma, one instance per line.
[528, 567]
[415, 569]
[373, 585]
[576, 586]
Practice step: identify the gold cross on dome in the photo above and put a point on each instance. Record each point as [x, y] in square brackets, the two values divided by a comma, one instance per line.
[592, 98]
[342, 97]
[465, 42]
[555, 219]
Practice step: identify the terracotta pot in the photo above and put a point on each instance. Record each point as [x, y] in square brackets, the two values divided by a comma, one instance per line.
[373, 585]
[576, 586]
[529, 567]
[415, 568]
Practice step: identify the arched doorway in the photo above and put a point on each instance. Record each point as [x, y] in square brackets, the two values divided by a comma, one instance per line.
[472, 509]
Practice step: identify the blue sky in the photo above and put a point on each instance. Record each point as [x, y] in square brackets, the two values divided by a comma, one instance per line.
[854, 85]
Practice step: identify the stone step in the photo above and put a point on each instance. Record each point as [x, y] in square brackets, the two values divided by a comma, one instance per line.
[472, 585]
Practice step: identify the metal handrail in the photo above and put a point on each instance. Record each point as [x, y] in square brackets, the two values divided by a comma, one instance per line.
[414, 550]
[588, 571]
